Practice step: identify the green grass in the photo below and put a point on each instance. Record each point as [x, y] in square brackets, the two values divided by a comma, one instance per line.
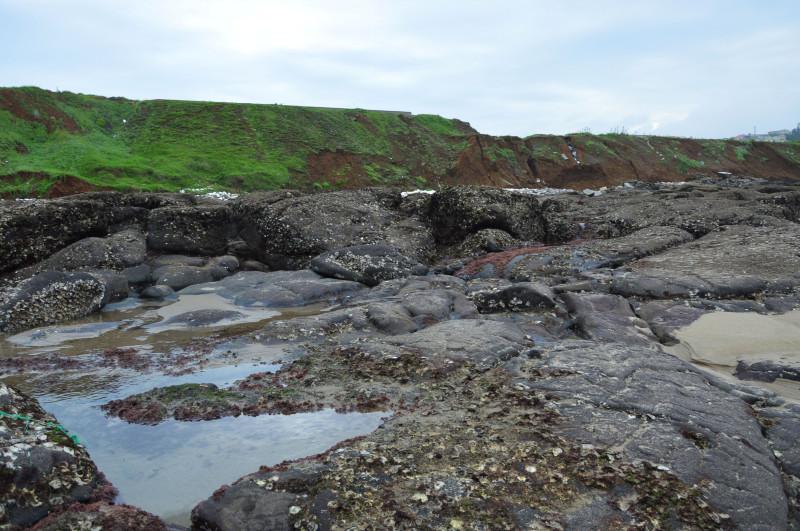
[686, 163]
[170, 145]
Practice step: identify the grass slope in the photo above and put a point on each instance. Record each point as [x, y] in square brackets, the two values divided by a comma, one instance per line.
[60, 142]
[169, 145]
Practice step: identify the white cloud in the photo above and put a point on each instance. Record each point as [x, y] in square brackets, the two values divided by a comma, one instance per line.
[509, 67]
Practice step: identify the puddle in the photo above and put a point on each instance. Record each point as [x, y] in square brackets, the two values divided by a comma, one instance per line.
[718, 340]
[167, 469]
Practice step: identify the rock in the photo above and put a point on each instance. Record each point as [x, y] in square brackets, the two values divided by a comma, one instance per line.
[285, 233]
[248, 506]
[49, 298]
[501, 295]
[737, 262]
[207, 317]
[179, 277]
[483, 343]
[485, 240]
[607, 318]
[254, 265]
[179, 272]
[201, 229]
[767, 371]
[368, 264]
[456, 212]
[665, 317]
[44, 469]
[657, 408]
[157, 292]
[115, 285]
[280, 289]
[696, 209]
[138, 274]
[394, 307]
[579, 257]
[118, 251]
[102, 515]
[177, 260]
[34, 230]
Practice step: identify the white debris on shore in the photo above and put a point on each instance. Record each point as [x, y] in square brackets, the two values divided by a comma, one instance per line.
[406, 194]
[210, 194]
[540, 191]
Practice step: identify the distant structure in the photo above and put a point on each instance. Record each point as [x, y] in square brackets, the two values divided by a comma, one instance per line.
[780, 135]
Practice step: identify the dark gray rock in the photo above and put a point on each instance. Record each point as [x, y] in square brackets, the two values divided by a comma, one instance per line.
[280, 289]
[456, 212]
[737, 262]
[258, 501]
[138, 274]
[202, 229]
[177, 260]
[157, 292]
[115, 285]
[35, 230]
[665, 317]
[466, 340]
[286, 231]
[118, 251]
[368, 264]
[179, 272]
[50, 298]
[499, 295]
[44, 470]
[207, 317]
[577, 258]
[486, 240]
[607, 318]
[654, 407]
[394, 307]
[767, 371]
[179, 277]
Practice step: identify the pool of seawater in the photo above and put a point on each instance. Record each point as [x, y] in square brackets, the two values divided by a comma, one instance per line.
[717, 341]
[168, 468]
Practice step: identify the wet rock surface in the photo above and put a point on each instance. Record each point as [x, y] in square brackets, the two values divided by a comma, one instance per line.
[523, 350]
[43, 468]
[368, 264]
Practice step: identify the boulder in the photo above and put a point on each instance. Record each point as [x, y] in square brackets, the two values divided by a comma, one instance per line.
[456, 212]
[499, 295]
[177, 276]
[48, 298]
[368, 264]
[279, 289]
[118, 251]
[607, 318]
[44, 468]
[736, 262]
[483, 241]
[481, 342]
[157, 292]
[201, 229]
[654, 407]
[34, 230]
[286, 231]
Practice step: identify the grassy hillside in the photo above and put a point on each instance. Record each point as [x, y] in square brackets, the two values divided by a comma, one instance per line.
[57, 143]
[169, 145]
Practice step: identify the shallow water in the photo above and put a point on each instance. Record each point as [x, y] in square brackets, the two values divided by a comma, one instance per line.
[168, 468]
[718, 340]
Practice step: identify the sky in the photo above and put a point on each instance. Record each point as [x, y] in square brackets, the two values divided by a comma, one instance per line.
[688, 68]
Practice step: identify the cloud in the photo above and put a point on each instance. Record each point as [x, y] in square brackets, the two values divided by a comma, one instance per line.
[709, 68]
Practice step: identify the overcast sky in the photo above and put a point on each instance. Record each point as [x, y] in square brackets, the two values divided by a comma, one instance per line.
[695, 68]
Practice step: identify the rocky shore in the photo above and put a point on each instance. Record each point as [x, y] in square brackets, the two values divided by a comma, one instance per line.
[521, 347]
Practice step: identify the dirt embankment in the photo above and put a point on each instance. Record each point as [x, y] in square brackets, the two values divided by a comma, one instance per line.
[576, 161]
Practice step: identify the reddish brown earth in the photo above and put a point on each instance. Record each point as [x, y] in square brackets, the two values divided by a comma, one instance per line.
[19, 104]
